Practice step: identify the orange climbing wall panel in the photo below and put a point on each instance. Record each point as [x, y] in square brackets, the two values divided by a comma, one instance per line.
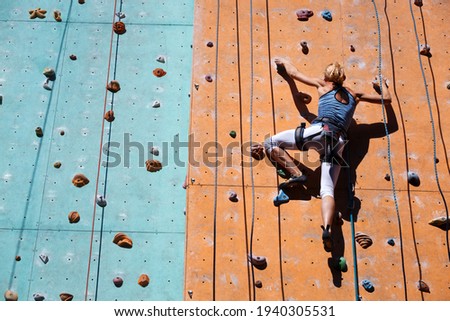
[247, 96]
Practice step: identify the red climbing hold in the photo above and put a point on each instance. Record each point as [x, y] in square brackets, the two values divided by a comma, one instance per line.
[159, 72]
[119, 28]
[109, 116]
[113, 86]
[304, 14]
[418, 3]
[258, 262]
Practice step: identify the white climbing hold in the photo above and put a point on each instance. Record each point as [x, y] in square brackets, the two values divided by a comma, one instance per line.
[101, 201]
[121, 15]
[154, 151]
[161, 59]
[156, 104]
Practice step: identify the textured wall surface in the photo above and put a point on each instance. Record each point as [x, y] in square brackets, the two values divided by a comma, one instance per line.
[238, 89]
[36, 197]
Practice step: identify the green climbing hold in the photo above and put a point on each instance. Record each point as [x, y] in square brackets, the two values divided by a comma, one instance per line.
[233, 134]
[342, 264]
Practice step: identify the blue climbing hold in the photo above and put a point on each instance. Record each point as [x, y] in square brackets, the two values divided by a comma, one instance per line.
[281, 198]
[368, 286]
[391, 242]
[327, 15]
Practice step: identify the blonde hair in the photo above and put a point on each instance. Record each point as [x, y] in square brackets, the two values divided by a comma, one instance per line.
[334, 72]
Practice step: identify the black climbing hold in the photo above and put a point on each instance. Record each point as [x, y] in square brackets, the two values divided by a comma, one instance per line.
[190, 293]
[258, 284]
[413, 179]
[327, 15]
[423, 287]
[233, 197]
[208, 78]
[281, 198]
[304, 46]
[233, 134]
[73, 57]
[209, 44]
[441, 222]
[368, 286]
[425, 50]
[44, 258]
[391, 242]
[258, 262]
[18, 258]
[39, 132]
[418, 3]
[387, 177]
[352, 48]
[436, 160]
[101, 201]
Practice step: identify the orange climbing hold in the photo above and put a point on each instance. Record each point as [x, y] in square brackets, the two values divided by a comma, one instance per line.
[144, 280]
[66, 297]
[119, 28]
[74, 217]
[159, 72]
[11, 296]
[79, 180]
[113, 86]
[153, 165]
[109, 116]
[123, 240]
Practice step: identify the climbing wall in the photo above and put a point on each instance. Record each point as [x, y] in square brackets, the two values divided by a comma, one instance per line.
[239, 99]
[44, 254]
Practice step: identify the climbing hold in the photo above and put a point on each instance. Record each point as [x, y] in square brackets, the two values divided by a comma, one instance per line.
[156, 104]
[391, 242]
[153, 165]
[44, 258]
[118, 281]
[18, 258]
[418, 3]
[66, 297]
[123, 240]
[363, 239]
[196, 86]
[304, 46]
[120, 15]
[143, 280]
[57, 164]
[387, 177]
[436, 160]
[46, 84]
[208, 78]
[448, 86]
[73, 57]
[258, 284]
[259, 262]
[11, 296]
[423, 287]
[49, 73]
[57, 15]
[233, 134]
[413, 179]
[62, 132]
[257, 151]
[74, 217]
[159, 72]
[38, 297]
[342, 264]
[368, 286]
[304, 14]
[113, 86]
[352, 48]
[190, 293]
[109, 116]
[210, 44]
[81, 1]
[101, 201]
[441, 222]
[39, 132]
[37, 13]
[232, 196]
[79, 180]
[425, 50]
[154, 151]
[161, 59]
[327, 15]
[282, 173]
[281, 198]
[119, 28]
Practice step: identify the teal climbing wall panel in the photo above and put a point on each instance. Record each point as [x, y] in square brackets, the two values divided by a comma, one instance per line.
[36, 197]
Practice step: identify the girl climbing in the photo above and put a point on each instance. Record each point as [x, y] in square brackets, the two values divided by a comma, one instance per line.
[326, 134]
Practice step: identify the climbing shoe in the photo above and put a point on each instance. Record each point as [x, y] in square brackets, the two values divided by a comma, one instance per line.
[293, 182]
[326, 239]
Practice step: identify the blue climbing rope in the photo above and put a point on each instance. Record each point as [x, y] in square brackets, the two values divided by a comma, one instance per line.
[433, 130]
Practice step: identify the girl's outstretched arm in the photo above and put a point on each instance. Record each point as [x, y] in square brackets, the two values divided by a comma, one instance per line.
[294, 73]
